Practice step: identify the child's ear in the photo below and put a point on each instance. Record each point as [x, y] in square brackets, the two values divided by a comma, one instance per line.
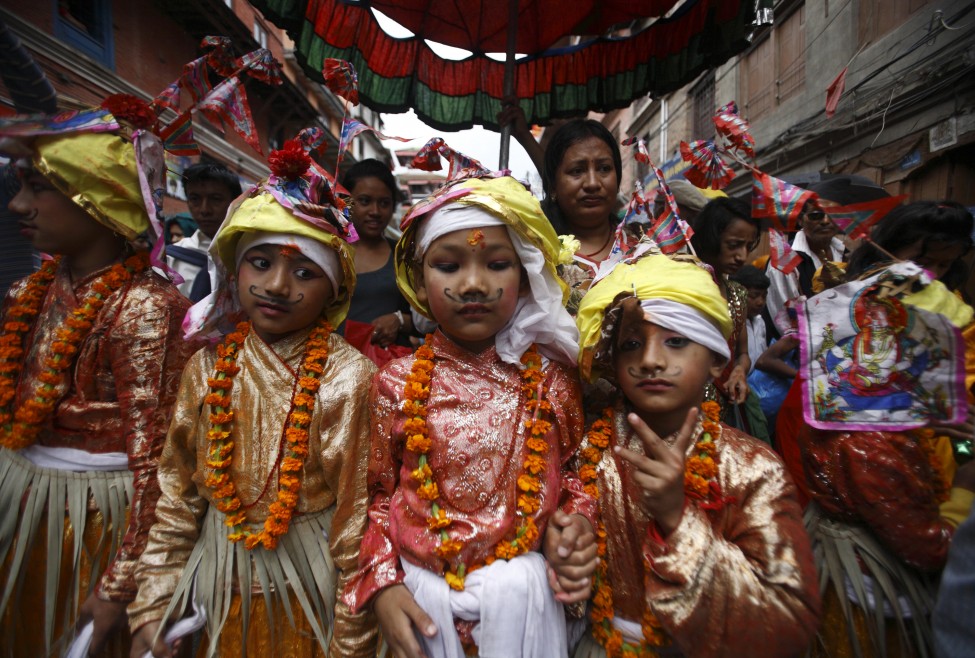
[718, 364]
[419, 286]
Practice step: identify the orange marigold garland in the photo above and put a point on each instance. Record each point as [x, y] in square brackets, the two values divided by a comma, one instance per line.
[700, 484]
[220, 443]
[417, 393]
[20, 424]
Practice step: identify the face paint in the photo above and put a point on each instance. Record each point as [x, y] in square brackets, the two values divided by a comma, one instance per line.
[476, 237]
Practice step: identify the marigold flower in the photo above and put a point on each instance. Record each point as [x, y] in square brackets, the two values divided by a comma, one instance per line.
[528, 484]
[536, 444]
[505, 551]
[456, 582]
[438, 522]
[422, 473]
[300, 418]
[587, 473]
[418, 443]
[528, 504]
[428, 491]
[310, 384]
[449, 548]
[535, 464]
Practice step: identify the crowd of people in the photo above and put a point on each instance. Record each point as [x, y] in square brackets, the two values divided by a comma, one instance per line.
[599, 449]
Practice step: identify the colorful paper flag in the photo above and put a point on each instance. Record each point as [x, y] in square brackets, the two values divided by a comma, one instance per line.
[778, 201]
[227, 103]
[351, 128]
[834, 92]
[856, 219]
[340, 77]
[781, 255]
[177, 137]
[735, 129]
[640, 153]
[461, 166]
[707, 167]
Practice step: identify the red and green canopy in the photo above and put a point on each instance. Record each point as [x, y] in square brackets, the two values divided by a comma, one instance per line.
[599, 74]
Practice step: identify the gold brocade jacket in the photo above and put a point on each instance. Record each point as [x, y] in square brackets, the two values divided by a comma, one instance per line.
[334, 473]
[735, 581]
[119, 393]
[476, 419]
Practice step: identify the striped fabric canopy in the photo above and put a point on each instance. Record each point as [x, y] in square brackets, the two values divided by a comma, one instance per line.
[598, 74]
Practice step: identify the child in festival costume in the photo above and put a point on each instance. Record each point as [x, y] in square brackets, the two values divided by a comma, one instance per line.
[471, 435]
[263, 472]
[702, 551]
[89, 366]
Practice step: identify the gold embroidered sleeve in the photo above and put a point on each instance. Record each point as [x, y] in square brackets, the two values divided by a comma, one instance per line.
[725, 582]
[345, 459]
[180, 507]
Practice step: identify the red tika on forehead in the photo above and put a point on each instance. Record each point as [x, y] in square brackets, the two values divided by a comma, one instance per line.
[289, 251]
[476, 237]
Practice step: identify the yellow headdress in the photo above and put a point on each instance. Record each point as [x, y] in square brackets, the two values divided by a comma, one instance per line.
[296, 199]
[650, 277]
[503, 197]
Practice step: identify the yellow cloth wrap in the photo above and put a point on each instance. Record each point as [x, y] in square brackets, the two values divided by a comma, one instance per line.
[956, 508]
[505, 198]
[651, 277]
[261, 212]
[936, 298]
[269, 633]
[21, 626]
[98, 172]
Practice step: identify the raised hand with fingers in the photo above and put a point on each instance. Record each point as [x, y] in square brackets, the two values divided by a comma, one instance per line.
[398, 614]
[659, 471]
[570, 548]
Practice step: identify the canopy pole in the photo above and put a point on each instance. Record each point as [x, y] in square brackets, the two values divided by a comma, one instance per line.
[509, 79]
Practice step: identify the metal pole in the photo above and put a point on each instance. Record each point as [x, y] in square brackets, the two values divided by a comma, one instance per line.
[509, 78]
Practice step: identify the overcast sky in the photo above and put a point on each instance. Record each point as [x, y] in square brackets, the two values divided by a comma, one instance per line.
[478, 143]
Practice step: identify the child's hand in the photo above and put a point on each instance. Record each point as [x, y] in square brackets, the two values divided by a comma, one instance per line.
[142, 643]
[398, 613]
[570, 548]
[660, 472]
[107, 618]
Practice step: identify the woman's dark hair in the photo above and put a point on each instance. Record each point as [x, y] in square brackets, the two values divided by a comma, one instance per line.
[713, 220]
[921, 221]
[565, 137]
[371, 168]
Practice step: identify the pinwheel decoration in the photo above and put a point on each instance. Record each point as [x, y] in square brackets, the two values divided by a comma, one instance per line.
[734, 129]
[708, 169]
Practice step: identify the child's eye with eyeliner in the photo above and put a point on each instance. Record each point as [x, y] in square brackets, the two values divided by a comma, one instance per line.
[677, 341]
[444, 267]
[499, 265]
[259, 263]
[629, 345]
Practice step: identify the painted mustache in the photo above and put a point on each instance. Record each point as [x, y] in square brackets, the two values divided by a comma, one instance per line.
[472, 297]
[277, 301]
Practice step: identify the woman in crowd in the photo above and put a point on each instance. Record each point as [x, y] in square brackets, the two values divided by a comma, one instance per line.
[178, 227]
[724, 234]
[377, 300]
[581, 172]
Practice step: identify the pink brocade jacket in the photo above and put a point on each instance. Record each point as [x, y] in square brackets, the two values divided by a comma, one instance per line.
[118, 396]
[476, 417]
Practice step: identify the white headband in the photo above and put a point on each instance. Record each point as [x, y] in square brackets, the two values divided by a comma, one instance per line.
[318, 253]
[540, 316]
[687, 322]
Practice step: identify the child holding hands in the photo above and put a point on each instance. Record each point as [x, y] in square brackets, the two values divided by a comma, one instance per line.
[471, 436]
[263, 472]
[702, 549]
